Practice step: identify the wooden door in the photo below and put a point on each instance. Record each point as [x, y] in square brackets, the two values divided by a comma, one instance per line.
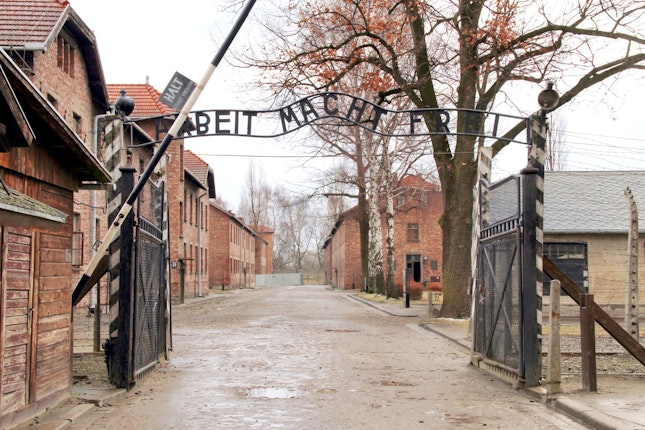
[16, 312]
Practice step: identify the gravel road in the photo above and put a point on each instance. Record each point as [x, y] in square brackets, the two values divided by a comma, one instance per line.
[309, 358]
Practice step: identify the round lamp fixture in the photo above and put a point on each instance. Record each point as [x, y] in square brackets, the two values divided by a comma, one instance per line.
[124, 105]
[548, 99]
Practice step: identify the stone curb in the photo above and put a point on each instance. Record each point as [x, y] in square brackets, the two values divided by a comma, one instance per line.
[575, 410]
[388, 309]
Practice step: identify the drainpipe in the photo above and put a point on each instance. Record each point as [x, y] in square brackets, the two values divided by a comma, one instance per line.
[199, 245]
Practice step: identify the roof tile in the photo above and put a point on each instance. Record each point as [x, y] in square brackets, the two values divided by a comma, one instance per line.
[25, 22]
[196, 167]
[591, 202]
[146, 99]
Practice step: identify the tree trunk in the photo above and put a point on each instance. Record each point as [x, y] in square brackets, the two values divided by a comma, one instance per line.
[457, 231]
[364, 232]
[389, 217]
[375, 239]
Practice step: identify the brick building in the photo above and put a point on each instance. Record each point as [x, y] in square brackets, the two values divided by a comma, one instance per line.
[51, 88]
[199, 188]
[240, 253]
[417, 239]
[264, 250]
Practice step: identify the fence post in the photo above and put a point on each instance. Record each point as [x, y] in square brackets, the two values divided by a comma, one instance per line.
[532, 239]
[631, 304]
[588, 342]
[553, 369]
[126, 291]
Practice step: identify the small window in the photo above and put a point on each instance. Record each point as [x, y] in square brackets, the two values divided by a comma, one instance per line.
[413, 232]
[52, 100]
[77, 242]
[65, 56]
[434, 265]
[78, 124]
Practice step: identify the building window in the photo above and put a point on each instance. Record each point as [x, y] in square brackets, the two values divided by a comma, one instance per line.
[434, 265]
[181, 215]
[78, 124]
[52, 101]
[572, 259]
[413, 232]
[77, 242]
[65, 56]
[185, 196]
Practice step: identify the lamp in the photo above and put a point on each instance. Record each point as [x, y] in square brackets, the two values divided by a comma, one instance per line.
[548, 98]
[124, 105]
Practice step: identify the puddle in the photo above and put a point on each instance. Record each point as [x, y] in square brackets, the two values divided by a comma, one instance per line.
[274, 393]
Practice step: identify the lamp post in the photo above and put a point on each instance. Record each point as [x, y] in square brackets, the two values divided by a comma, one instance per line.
[532, 239]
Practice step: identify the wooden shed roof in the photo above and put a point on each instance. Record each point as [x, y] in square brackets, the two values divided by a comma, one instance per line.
[47, 124]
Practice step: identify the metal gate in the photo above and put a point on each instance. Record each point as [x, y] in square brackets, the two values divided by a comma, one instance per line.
[149, 280]
[138, 293]
[497, 328]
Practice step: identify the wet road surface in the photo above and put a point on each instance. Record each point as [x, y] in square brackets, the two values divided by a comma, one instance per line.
[310, 358]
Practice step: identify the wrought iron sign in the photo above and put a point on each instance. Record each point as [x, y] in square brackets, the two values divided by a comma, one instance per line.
[335, 108]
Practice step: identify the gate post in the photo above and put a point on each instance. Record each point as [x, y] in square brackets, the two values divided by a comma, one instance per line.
[126, 291]
[532, 238]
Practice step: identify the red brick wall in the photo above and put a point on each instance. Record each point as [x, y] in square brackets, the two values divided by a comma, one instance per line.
[242, 251]
[193, 237]
[72, 94]
[73, 97]
[175, 185]
[218, 257]
[426, 216]
[342, 253]
[268, 236]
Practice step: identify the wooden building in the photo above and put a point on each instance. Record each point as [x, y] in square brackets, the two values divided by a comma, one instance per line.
[417, 240]
[59, 54]
[42, 164]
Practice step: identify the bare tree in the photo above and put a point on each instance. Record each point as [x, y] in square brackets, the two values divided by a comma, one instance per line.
[255, 204]
[461, 53]
[556, 156]
[295, 232]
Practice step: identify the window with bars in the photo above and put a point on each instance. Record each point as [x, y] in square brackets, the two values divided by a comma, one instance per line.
[572, 258]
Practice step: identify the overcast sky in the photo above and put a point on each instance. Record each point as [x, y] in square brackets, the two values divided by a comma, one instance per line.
[149, 39]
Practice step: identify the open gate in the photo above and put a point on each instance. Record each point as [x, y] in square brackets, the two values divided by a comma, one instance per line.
[496, 334]
[149, 281]
[507, 294]
[138, 294]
